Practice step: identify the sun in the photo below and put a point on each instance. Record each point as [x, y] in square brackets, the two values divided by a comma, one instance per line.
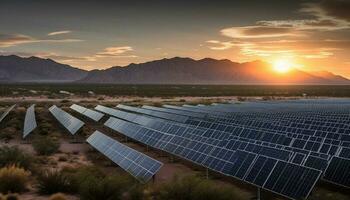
[282, 66]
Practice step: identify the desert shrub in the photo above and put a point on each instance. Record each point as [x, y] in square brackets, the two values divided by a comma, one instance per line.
[195, 188]
[62, 158]
[15, 156]
[53, 181]
[46, 145]
[138, 192]
[13, 179]
[328, 195]
[109, 187]
[58, 196]
[11, 197]
[6, 136]
[92, 184]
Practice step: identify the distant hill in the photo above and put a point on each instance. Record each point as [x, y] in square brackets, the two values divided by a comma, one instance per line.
[206, 71]
[166, 71]
[33, 69]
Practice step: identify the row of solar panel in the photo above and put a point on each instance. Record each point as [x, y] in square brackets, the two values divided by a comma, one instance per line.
[139, 165]
[311, 160]
[224, 113]
[266, 137]
[94, 115]
[319, 136]
[6, 112]
[333, 133]
[71, 123]
[237, 164]
[29, 121]
[230, 144]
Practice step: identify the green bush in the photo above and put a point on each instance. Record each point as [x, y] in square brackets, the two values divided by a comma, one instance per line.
[53, 181]
[46, 145]
[15, 156]
[194, 188]
[13, 179]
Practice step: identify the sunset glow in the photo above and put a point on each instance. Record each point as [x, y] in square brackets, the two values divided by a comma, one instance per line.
[282, 66]
[313, 33]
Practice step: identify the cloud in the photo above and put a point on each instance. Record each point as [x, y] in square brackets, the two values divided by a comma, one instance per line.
[59, 33]
[219, 45]
[336, 8]
[306, 24]
[9, 40]
[329, 9]
[114, 51]
[257, 31]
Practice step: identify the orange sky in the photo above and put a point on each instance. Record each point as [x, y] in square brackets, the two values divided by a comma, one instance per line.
[312, 35]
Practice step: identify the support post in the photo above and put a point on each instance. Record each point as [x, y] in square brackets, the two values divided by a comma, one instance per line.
[207, 173]
[258, 194]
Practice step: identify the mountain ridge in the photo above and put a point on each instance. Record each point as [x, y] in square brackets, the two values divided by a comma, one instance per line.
[177, 70]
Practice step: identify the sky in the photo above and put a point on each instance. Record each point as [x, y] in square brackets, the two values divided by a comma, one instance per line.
[311, 35]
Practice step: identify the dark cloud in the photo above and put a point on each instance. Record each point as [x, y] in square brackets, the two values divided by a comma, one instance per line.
[336, 8]
[261, 30]
[257, 31]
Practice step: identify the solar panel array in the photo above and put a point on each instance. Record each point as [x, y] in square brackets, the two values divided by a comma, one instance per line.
[6, 112]
[92, 114]
[284, 147]
[29, 121]
[71, 123]
[139, 165]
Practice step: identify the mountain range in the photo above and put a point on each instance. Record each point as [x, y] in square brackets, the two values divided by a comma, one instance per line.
[166, 71]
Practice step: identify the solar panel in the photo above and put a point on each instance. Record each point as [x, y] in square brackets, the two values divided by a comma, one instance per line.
[228, 162]
[71, 123]
[139, 165]
[338, 171]
[6, 112]
[258, 142]
[29, 121]
[260, 170]
[94, 115]
[316, 163]
[292, 180]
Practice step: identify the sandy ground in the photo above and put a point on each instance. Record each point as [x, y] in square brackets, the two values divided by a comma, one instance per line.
[108, 99]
